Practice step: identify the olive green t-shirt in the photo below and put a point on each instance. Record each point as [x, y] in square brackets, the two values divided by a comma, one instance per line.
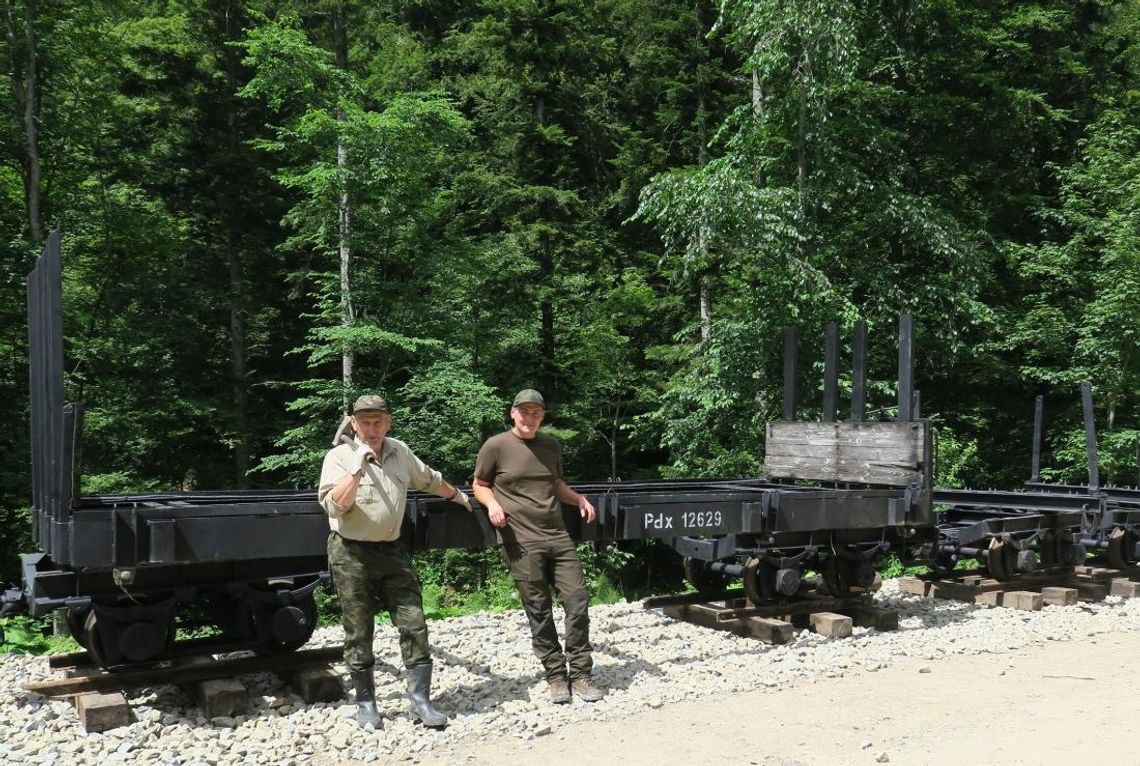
[522, 473]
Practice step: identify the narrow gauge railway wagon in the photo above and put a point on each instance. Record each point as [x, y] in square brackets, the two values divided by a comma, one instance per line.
[128, 571]
[867, 491]
[1063, 522]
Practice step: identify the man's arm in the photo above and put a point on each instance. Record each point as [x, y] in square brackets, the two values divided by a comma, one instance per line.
[570, 497]
[427, 479]
[485, 494]
[449, 491]
[343, 494]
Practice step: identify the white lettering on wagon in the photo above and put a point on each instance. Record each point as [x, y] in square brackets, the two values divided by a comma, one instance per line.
[701, 519]
[689, 519]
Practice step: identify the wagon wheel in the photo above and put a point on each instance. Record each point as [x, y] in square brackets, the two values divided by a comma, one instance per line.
[944, 564]
[838, 576]
[140, 641]
[285, 628]
[758, 581]
[1050, 545]
[1122, 548]
[92, 639]
[698, 574]
[1001, 560]
[75, 620]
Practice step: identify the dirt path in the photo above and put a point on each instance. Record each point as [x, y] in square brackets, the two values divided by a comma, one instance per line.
[1061, 703]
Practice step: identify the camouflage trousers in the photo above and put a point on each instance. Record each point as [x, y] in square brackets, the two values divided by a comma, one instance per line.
[373, 575]
[535, 567]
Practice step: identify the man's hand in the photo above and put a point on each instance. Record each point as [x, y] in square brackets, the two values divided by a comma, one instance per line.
[362, 454]
[586, 508]
[461, 499]
[496, 514]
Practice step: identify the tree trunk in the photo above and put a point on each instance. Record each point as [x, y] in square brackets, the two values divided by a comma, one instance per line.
[757, 94]
[239, 369]
[35, 227]
[348, 318]
[25, 92]
[546, 342]
[239, 351]
[703, 290]
[706, 308]
[801, 142]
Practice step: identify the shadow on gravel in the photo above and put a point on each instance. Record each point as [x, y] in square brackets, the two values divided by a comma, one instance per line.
[504, 688]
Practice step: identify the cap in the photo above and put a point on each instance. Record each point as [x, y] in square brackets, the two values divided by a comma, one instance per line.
[528, 396]
[370, 402]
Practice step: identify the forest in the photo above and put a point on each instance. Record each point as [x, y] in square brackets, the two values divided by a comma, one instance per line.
[268, 207]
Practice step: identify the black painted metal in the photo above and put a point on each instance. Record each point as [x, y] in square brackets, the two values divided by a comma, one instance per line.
[1038, 417]
[997, 500]
[906, 366]
[1090, 435]
[51, 481]
[791, 344]
[1119, 496]
[859, 372]
[830, 371]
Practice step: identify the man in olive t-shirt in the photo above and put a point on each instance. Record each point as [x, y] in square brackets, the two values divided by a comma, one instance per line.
[519, 480]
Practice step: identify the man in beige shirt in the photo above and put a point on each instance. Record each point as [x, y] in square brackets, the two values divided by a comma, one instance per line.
[364, 491]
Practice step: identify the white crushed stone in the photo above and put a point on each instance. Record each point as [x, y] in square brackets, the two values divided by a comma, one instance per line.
[487, 680]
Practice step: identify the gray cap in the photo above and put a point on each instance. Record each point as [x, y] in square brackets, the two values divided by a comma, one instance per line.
[529, 396]
[372, 402]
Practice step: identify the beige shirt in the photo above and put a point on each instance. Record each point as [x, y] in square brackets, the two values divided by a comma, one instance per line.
[378, 512]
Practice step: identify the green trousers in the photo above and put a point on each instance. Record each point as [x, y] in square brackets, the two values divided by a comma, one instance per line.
[536, 567]
[367, 574]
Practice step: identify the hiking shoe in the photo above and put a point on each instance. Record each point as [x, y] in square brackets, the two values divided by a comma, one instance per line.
[586, 691]
[559, 691]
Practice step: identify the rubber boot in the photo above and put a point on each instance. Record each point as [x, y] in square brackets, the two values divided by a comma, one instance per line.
[419, 694]
[366, 712]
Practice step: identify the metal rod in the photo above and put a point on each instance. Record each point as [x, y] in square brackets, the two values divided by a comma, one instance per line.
[34, 386]
[1038, 417]
[791, 342]
[1090, 436]
[859, 372]
[722, 567]
[830, 371]
[906, 366]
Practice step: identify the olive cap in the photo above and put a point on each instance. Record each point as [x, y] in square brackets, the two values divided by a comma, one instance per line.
[529, 396]
[370, 402]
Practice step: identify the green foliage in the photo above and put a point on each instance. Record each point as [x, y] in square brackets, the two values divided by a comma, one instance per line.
[890, 566]
[957, 464]
[621, 204]
[442, 414]
[23, 635]
[26, 635]
[602, 570]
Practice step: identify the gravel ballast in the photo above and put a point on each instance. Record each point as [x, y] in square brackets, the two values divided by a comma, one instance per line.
[487, 680]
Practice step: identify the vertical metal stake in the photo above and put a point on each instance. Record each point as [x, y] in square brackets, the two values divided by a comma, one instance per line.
[1090, 436]
[791, 343]
[830, 371]
[1038, 417]
[906, 366]
[859, 372]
